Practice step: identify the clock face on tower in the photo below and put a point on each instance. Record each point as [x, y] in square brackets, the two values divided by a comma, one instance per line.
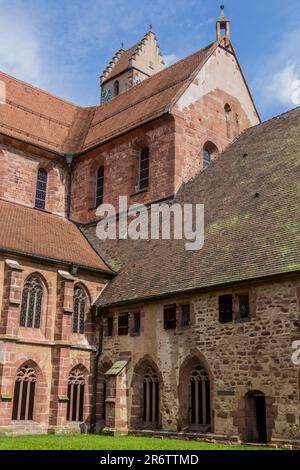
[106, 95]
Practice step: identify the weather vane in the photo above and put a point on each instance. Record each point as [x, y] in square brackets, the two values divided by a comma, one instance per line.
[150, 27]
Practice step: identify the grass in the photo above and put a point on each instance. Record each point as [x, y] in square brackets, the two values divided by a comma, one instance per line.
[89, 442]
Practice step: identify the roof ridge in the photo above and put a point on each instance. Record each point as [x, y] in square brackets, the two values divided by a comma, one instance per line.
[34, 87]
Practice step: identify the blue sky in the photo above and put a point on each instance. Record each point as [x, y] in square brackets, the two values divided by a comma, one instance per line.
[63, 45]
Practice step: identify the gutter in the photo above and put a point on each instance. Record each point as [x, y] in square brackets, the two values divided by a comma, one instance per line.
[69, 264]
[200, 290]
[95, 372]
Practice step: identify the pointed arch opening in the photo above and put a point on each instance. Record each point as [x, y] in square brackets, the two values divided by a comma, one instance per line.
[195, 392]
[33, 296]
[81, 306]
[75, 393]
[209, 153]
[24, 393]
[147, 389]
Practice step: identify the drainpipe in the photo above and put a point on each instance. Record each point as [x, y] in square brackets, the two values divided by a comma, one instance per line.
[69, 159]
[99, 351]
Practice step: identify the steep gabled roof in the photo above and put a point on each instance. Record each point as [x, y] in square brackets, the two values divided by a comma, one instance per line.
[251, 195]
[42, 119]
[122, 60]
[36, 233]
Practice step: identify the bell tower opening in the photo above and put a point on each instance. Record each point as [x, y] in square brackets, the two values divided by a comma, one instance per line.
[223, 27]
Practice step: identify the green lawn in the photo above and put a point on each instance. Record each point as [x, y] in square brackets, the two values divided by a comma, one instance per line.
[89, 442]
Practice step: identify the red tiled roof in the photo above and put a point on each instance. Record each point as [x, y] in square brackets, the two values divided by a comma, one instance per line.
[37, 233]
[38, 117]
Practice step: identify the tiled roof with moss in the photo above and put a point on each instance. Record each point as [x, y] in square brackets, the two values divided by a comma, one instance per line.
[251, 195]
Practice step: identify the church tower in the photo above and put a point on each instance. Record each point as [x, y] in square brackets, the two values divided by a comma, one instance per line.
[130, 67]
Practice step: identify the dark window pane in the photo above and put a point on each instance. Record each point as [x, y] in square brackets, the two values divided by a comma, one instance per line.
[185, 315]
[110, 326]
[144, 169]
[170, 317]
[225, 308]
[100, 186]
[123, 324]
[136, 323]
[244, 307]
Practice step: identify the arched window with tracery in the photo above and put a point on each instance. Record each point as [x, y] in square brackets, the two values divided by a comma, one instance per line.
[200, 397]
[31, 306]
[41, 189]
[76, 385]
[150, 397]
[80, 300]
[24, 394]
[209, 153]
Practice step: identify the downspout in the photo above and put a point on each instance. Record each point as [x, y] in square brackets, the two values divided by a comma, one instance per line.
[69, 159]
[99, 351]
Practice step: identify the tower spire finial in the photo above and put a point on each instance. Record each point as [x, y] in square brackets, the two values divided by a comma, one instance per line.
[223, 26]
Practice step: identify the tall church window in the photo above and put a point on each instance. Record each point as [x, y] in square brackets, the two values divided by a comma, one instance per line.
[144, 169]
[24, 394]
[76, 385]
[200, 397]
[79, 309]
[100, 186]
[31, 306]
[116, 88]
[150, 397]
[41, 189]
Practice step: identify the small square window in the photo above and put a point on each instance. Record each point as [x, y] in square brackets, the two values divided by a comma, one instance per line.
[225, 308]
[185, 315]
[244, 307]
[136, 323]
[123, 324]
[170, 317]
[110, 326]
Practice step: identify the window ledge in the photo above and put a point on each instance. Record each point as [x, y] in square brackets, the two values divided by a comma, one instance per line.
[140, 191]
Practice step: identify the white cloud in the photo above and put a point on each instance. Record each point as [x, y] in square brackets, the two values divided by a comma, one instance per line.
[170, 59]
[283, 85]
[278, 80]
[19, 46]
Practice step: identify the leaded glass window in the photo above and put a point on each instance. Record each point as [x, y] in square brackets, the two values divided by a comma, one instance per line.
[24, 394]
[76, 384]
[79, 310]
[41, 189]
[144, 169]
[100, 186]
[31, 306]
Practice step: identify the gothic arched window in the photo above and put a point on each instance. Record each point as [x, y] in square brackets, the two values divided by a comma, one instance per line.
[200, 397]
[100, 186]
[116, 88]
[31, 305]
[144, 168]
[150, 397]
[76, 384]
[79, 309]
[24, 394]
[41, 189]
